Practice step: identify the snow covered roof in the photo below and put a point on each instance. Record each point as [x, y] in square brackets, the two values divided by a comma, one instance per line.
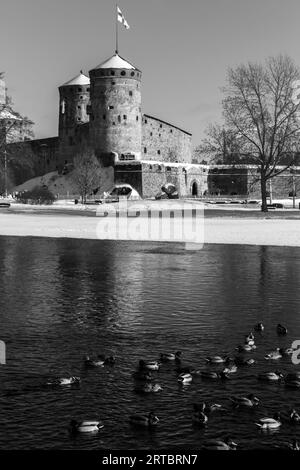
[80, 79]
[5, 113]
[115, 62]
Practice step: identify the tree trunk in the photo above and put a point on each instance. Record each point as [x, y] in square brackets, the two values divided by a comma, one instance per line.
[263, 187]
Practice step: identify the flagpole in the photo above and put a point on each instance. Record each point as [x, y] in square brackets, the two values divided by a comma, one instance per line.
[117, 45]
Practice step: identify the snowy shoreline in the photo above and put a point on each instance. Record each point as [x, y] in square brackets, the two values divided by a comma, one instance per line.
[218, 230]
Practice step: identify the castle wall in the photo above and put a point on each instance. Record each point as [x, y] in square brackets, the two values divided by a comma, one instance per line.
[165, 142]
[2, 92]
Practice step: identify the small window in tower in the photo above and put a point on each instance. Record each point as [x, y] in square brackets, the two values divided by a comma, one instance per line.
[137, 118]
[151, 134]
[119, 118]
[130, 93]
[171, 130]
[79, 107]
[160, 126]
[87, 89]
[81, 97]
[150, 167]
[132, 74]
[124, 116]
[79, 89]
[168, 168]
[159, 135]
[110, 107]
[113, 123]
[123, 72]
[158, 152]
[79, 119]
[145, 149]
[112, 72]
[104, 116]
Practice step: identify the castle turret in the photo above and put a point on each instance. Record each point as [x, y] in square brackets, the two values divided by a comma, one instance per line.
[74, 97]
[115, 113]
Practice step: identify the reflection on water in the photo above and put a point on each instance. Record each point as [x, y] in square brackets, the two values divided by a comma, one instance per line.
[61, 299]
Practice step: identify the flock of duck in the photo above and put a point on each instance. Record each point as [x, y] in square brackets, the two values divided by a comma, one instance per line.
[144, 382]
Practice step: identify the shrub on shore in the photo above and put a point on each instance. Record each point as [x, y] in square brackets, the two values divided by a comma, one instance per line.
[37, 195]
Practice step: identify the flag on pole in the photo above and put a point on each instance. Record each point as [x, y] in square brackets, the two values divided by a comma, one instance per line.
[121, 18]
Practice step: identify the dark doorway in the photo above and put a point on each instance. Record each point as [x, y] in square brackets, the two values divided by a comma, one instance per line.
[194, 189]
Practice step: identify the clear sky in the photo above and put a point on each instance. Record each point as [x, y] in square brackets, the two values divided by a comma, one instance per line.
[183, 48]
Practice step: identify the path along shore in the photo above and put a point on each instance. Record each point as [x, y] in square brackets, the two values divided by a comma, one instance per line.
[280, 229]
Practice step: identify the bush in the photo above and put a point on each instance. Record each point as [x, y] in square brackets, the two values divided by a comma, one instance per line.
[38, 195]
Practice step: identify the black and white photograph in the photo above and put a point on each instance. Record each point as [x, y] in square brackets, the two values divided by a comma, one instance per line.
[149, 229]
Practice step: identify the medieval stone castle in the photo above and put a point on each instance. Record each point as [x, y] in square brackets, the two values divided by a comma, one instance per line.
[103, 113]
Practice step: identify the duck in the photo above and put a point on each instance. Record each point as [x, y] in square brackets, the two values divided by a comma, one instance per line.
[214, 375]
[215, 360]
[185, 378]
[207, 408]
[294, 417]
[259, 327]
[249, 339]
[294, 445]
[249, 401]
[150, 365]
[85, 426]
[286, 351]
[245, 348]
[98, 362]
[170, 356]
[242, 361]
[271, 376]
[200, 418]
[227, 444]
[65, 381]
[147, 421]
[274, 355]
[142, 375]
[230, 369]
[148, 388]
[269, 423]
[281, 330]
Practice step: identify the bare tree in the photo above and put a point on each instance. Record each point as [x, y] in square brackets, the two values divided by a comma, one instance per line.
[87, 173]
[220, 146]
[261, 109]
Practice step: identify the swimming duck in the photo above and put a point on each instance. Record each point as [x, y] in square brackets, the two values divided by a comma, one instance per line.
[215, 360]
[143, 375]
[148, 388]
[65, 381]
[207, 408]
[245, 348]
[286, 351]
[259, 327]
[139, 420]
[170, 356]
[98, 362]
[200, 418]
[294, 417]
[185, 378]
[273, 355]
[281, 330]
[249, 401]
[242, 361]
[230, 369]
[249, 339]
[227, 444]
[294, 445]
[150, 365]
[269, 423]
[85, 426]
[214, 375]
[271, 376]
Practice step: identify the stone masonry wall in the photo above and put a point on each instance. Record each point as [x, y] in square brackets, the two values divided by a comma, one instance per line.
[164, 142]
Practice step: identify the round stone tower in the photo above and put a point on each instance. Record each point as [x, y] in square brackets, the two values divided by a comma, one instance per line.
[115, 114]
[74, 97]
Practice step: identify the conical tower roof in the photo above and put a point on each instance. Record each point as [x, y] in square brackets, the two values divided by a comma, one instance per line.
[80, 79]
[115, 62]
